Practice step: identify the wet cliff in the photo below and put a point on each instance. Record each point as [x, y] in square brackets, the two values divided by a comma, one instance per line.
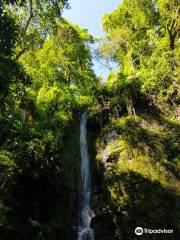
[135, 175]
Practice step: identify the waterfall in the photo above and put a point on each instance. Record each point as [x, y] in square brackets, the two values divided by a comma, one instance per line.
[86, 214]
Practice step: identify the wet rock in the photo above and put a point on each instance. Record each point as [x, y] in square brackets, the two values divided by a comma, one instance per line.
[111, 136]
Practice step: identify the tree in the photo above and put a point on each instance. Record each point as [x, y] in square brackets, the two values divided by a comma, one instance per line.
[36, 20]
[12, 75]
[64, 60]
[141, 37]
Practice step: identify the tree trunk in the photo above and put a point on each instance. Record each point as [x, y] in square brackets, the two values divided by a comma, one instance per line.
[130, 105]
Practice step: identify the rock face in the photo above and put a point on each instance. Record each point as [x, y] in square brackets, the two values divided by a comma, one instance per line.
[110, 152]
[111, 136]
[134, 185]
[67, 210]
[134, 179]
[102, 223]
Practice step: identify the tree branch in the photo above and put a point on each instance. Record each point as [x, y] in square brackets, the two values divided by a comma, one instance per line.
[30, 16]
[19, 54]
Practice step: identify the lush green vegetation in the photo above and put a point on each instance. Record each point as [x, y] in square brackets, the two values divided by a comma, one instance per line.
[47, 80]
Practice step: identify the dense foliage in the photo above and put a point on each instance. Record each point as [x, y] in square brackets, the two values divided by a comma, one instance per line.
[47, 80]
[142, 36]
[45, 76]
[138, 148]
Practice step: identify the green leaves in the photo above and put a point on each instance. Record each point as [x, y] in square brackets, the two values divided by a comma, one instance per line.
[63, 58]
[3, 216]
[141, 37]
[9, 33]
[36, 20]
[8, 169]
[12, 80]
[6, 160]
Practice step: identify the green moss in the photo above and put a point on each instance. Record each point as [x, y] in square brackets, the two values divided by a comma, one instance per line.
[142, 181]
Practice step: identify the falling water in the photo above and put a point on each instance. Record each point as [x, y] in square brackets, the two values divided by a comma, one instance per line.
[86, 214]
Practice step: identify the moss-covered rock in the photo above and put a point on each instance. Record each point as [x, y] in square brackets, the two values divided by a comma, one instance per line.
[140, 176]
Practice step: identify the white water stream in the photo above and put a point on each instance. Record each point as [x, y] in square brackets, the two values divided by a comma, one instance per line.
[86, 214]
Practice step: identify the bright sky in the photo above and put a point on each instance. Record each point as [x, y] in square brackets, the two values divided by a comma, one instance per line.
[88, 14]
